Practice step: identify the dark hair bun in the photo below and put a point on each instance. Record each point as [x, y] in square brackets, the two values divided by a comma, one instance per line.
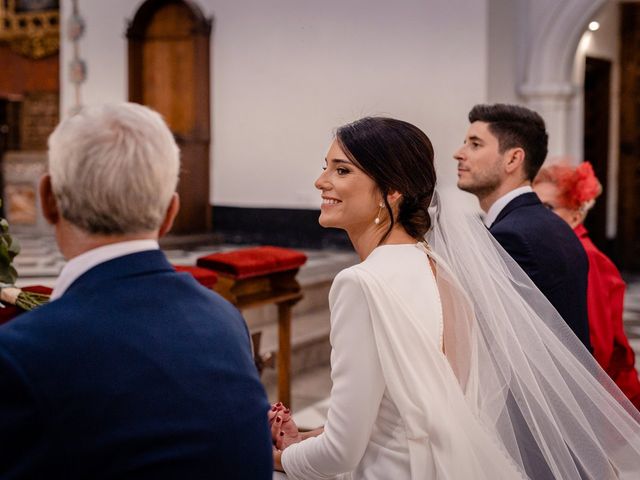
[413, 215]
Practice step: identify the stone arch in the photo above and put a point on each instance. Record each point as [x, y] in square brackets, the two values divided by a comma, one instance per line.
[553, 34]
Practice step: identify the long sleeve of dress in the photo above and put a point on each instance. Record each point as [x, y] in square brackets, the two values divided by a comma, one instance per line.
[358, 387]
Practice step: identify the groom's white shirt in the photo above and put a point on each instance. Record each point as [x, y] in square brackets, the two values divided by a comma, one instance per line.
[87, 260]
[502, 202]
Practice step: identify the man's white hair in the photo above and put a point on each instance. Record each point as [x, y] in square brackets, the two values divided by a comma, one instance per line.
[114, 168]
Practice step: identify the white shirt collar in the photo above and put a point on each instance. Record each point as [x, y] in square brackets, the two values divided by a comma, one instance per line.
[87, 260]
[502, 202]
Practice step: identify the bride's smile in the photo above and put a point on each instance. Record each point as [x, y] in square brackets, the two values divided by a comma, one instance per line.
[327, 201]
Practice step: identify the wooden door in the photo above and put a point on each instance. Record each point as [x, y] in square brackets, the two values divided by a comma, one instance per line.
[169, 72]
[628, 239]
[9, 136]
[597, 90]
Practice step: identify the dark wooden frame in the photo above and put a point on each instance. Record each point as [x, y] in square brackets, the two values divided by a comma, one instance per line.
[628, 235]
[597, 106]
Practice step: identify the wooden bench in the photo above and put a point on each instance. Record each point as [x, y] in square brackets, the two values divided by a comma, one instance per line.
[258, 276]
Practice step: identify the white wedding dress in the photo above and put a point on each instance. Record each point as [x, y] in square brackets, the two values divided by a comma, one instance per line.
[468, 374]
[389, 300]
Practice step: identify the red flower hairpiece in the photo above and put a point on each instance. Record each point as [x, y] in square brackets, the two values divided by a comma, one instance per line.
[578, 186]
[581, 186]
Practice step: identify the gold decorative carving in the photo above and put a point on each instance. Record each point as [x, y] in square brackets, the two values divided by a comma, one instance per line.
[36, 47]
[34, 33]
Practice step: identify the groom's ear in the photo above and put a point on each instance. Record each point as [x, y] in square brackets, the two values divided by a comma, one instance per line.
[514, 160]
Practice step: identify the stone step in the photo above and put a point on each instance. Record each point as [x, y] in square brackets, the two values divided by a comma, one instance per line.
[309, 340]
[310, 352]
[316, 297]
[310, 317]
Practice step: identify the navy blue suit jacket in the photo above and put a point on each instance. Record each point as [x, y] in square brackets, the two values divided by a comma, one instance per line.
[551, 254]
[136, 372]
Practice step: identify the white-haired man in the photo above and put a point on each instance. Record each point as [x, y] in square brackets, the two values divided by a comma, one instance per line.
[133, 370]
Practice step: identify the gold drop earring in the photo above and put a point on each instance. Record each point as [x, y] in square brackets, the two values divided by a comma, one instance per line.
[377, 219]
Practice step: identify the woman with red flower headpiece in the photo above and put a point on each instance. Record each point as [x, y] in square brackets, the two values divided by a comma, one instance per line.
[570, 192]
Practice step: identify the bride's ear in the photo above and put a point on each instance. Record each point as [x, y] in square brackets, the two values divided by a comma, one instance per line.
[393, 197]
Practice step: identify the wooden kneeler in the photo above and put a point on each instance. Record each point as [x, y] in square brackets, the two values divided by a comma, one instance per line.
[254, 277]
[204, 277]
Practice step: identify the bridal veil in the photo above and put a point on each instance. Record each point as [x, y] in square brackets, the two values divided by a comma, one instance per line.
[536, 404]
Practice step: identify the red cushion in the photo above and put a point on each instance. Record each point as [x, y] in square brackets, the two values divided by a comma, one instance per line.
[204, 277]
[9, 312]
[253, 262]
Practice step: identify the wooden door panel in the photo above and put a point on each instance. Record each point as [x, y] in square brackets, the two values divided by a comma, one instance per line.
[168, 69]
[169, 72]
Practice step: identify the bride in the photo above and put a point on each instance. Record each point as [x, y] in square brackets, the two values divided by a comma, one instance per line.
[446, 361]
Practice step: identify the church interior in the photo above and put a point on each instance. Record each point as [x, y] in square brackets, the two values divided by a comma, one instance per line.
[253, 92]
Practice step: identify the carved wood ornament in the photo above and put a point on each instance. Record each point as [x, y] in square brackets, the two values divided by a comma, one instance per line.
[30, 27]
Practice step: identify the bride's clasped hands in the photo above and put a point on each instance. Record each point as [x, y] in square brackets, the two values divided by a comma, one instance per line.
[284, 430]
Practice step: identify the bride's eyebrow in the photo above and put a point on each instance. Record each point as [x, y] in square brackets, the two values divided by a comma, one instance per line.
[339, 160]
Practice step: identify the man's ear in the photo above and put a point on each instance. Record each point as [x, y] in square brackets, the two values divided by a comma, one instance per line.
[170, 216]
[514, 160]
[48, 200]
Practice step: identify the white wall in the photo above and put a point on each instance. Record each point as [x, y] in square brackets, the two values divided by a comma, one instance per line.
[285, 73]
[103, 47]
[502, 51]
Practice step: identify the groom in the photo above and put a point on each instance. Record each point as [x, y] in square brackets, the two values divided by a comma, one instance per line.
[503, 150]
[132, 370]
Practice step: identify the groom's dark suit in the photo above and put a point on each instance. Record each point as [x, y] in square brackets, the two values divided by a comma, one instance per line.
[136, 372]
[550, 253]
